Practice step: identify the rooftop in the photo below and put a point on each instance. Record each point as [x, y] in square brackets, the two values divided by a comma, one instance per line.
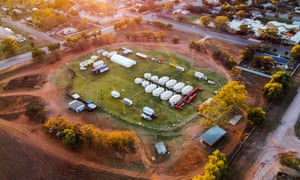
[212, 135]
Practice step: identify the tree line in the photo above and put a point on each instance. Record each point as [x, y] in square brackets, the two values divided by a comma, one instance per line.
[74, 135]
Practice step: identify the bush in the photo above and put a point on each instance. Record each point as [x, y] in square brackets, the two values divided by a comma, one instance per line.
[36, 111]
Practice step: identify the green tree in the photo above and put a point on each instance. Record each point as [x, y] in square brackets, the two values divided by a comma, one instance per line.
[281, 77]
[273, 90]
[232, 98]
[36, 111]
[57, 124]
[71, 138]
[175, 39]
[257, 116]
[53, 46]
[205, 20]
[221, 22]
[9, 46]
[244, 29]
[38, 54]
[295, 53]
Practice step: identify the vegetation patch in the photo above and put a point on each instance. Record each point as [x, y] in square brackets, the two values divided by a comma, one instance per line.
[291, 162]
[30, 81]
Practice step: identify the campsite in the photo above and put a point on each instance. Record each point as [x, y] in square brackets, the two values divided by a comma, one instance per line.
[98, 87]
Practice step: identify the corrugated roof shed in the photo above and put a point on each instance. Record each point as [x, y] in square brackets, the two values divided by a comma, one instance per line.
[212, 135]
[160, 148]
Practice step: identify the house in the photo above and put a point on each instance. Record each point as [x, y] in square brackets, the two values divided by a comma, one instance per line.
[160, 148]
[212, 136]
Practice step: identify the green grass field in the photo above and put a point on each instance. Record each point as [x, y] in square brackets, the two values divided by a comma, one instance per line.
[122, 80]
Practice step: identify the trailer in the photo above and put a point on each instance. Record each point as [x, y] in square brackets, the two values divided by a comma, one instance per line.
[100, 69]
[143, 56]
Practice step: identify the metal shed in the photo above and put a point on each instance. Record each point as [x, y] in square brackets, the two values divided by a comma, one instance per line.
[212, 136]
[160, 148]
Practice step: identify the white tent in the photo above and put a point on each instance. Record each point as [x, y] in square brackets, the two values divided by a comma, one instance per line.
[187, 89]
[138, 80]
[98, 63]
[162, 81]
[177, 87]
[150, 88]
[171, 83]
[123, 61]
[158, 91]
[154, 79]
[115, 94]
[145, 83]
[147, 76]
[166, 95]
[174, 99]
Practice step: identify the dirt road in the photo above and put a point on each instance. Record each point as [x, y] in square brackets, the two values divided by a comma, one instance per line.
[282, 140]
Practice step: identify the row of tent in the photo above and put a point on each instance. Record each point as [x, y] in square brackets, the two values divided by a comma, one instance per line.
[171, 84]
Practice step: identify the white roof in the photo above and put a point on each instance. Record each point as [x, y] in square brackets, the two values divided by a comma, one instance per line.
[154, 78]
[145, 83]
[115, 94]
[123, 61]
[158, 91]
[171, 83]
[162, 81]
[187, 89]
[138, 80]
[150, 88]
[174, 99]
[235, 119]
[147, 76]
[177, 87]
[166, 95]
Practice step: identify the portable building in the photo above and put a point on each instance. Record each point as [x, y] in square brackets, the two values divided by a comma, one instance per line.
[211, 82]
[75, 96]
[162, 81]
[101, 69]
[180, 68]
[76, 106]
[143, 56]
[115, 94]
[158, 91]
[178, 87]
[127, 101]
[122, 60]
[175, 99]
[98, 63]
[200, 75]
[147, 76]
[138, 80]
[166, 95]
[187, 89]
[150, 88]
[160, 148]
[212, 136]
[149, 111]
[154, 79]
[170, 84]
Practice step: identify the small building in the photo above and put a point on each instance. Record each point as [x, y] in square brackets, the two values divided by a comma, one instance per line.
[233, 121]
[160, 148]
[76, 106]
[212, 136]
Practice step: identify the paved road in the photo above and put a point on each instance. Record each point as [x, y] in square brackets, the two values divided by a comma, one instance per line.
[282, 140]
[193, 29]
[34, 32]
